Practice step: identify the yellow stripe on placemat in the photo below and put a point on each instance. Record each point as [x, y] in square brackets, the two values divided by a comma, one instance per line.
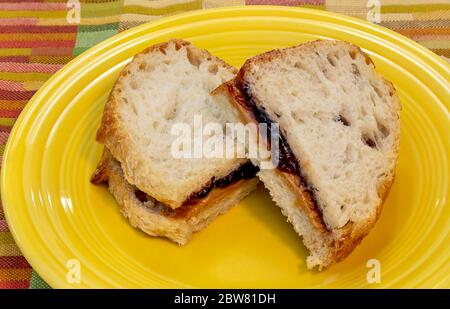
[37, 36]
[9, 250]
[169, 9]
[409, 2]
[160, 3]
[89, 10]
[434, 44]
[25, 76]
[15, 51]
[15, 274]
[51, 59]
[38, 14]
[414, 8]
[32, 85]
[434, 15]
[6, 238]
[441, 14]
[6, 122]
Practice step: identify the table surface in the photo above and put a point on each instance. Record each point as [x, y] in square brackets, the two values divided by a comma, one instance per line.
[37, 37]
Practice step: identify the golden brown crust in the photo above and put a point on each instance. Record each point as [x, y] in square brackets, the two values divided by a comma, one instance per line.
[100, 174]
[275, 53]
[354, 233]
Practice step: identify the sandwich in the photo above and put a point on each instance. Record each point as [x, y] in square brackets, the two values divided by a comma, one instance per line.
[338, 139]
[162, 194]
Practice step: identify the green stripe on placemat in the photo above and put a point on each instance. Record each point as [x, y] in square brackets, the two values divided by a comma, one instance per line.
[90, 34]
[36, 282]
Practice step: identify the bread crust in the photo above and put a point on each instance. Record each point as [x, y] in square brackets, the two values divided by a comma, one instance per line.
[115, 137]
[346, 238]
[152, 219]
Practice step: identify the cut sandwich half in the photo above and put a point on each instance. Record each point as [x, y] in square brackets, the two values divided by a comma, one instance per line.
[157, 219]
[339, 139]
[164, 87]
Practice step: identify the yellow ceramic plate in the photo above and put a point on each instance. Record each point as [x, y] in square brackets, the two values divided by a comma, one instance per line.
[60, 220]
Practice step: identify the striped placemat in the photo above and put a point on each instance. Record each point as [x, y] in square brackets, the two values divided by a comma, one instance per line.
[37, 37]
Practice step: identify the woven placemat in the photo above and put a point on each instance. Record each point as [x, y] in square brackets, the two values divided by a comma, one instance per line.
[37, 37]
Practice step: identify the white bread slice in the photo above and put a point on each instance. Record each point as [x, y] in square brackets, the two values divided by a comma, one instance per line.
[340, 122]
[166, 84]
[157, 219]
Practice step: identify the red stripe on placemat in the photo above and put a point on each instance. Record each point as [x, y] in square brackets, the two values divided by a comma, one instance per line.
[3, 224]
[29, 67]
[19, 21]
[11, 85]
[28, 44]
[5, 129]
[33, 6]
[14, 59]
[38, 29]
[14, 95]
[11, 113]
[16, 262]
[8, 1]
[22, 284]
[3, 138]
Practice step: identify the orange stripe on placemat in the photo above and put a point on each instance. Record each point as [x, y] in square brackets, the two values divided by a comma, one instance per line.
[411, 31]
[51, 59]
[15, 262]
[29, 67]
[431, 37]
[13, 284]
[441, 52]
[17, 36]
[7, 104]
[15, 274]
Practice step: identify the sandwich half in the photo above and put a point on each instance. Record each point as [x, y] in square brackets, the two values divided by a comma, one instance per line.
[165, 86]
[157, 219]
[339, 137]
